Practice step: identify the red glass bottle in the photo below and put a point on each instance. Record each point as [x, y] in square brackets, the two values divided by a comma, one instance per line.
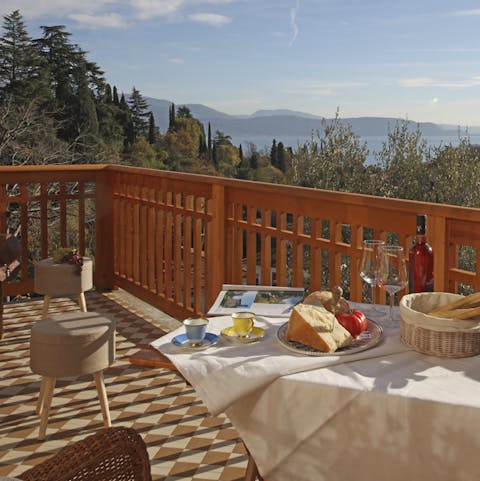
[420, 277]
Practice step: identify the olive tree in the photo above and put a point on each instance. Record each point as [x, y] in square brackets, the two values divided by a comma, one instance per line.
[334, 158]
[402, 164]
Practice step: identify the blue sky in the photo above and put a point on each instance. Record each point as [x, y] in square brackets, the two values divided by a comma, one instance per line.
[415, 59]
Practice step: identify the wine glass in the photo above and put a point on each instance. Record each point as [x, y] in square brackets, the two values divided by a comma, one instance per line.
[393, 273]
[370, 263]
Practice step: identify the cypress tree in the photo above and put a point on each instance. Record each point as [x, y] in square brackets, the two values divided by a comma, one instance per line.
[243, 165]
[209, 143]
[124, 118]
[214, 155]
[151, 129]
[129, 133]
[202, 146]
[171, 117]
[281, 157]
[274, 154]
[115, 95]
[254, 161]
[86, 115]
[108, 94]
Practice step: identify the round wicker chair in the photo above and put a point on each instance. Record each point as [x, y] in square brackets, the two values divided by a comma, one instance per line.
[116, 453]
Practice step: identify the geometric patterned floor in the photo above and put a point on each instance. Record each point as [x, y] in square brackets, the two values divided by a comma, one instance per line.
[184, 442]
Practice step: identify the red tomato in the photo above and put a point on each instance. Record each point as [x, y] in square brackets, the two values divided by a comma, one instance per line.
[354, 321]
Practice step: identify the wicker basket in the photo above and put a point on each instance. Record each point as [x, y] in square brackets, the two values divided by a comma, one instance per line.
[434, 335]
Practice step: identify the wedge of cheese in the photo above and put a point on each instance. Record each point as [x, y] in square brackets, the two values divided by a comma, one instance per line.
[316, 327]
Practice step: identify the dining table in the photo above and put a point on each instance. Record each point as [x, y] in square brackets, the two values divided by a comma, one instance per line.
[385, 412]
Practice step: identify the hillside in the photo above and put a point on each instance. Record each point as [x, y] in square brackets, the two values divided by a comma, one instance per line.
[285, 123]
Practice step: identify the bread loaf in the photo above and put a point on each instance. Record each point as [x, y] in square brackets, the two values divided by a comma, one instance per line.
[331, 300]
[316, 327]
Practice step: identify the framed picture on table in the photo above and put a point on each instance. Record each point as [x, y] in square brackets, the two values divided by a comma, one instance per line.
[273, 301]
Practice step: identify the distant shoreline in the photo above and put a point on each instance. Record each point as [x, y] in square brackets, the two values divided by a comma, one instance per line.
[374, 143]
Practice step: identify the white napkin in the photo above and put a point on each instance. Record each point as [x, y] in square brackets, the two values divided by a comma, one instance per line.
[225, 373]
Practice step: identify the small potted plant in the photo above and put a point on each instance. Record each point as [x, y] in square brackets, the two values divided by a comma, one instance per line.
[67, 255]
[66, 272]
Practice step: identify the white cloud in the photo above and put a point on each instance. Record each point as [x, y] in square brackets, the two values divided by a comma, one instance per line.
[37, 8]
[293, 23]
[164, 8]
[213, 19]
[215, 2]
[429, 82]
[141, 9]
[175, 60]
[155, 8]
[324, 89]
[107, 20]
[321, 92]
[329, 85]
[467, 13]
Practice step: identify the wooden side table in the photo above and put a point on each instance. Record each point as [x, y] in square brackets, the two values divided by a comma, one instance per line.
[55, 280]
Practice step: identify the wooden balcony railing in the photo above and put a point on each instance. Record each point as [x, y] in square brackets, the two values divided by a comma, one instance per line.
[173, 239]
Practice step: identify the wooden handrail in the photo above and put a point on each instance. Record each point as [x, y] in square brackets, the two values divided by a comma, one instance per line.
[173, 239]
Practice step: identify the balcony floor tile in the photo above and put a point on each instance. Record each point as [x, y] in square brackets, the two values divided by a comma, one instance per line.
[183, 441]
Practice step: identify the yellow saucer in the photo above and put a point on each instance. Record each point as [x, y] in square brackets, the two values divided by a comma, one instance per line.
[230, 335]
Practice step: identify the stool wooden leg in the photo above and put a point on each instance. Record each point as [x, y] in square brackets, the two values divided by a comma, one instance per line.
[47, 401]
[102, 396]
[41, 396]
[46, 303]
[82, 302]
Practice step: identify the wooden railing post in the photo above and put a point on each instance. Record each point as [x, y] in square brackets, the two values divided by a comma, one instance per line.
[437, 238]
[216, 262]
[104, 226]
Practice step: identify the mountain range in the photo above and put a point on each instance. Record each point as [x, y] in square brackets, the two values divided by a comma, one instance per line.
[279, 124]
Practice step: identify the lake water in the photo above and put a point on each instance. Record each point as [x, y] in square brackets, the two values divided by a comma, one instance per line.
[374, 143]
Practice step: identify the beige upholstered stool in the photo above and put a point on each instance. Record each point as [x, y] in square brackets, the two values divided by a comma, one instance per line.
[54, 280]
[71, 344]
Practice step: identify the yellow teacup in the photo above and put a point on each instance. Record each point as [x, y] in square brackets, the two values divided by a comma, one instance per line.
[243, 323]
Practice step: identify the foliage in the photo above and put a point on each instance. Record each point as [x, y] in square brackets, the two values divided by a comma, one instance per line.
[56, 107]
[453, 175]
[402, 161]
[22, 72]
[227, 159]
[143, 154]
[139, 114]
[28, 136]
[334, 159]
[67, 255]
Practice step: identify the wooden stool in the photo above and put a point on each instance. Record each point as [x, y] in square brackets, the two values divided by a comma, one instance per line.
[54, 280]
[71, 344]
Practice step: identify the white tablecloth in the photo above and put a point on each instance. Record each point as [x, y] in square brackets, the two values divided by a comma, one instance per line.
[224, 374]
[387, 413]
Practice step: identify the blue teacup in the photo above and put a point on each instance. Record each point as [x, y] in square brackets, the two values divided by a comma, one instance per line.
[195, 329]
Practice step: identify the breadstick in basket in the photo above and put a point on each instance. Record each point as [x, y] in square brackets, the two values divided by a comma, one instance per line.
[459, 314]
[468, 302]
